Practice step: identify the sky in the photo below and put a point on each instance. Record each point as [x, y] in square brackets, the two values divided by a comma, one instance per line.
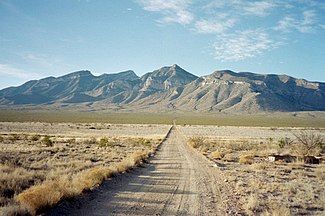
[41, 38]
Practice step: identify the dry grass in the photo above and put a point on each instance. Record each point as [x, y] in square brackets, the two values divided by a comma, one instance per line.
[35, 176]
[263, 187]
[246, 159]
[252, 206]
[50, 192]
[196, 142]
[217, 155]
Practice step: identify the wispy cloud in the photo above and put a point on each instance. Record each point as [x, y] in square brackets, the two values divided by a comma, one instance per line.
[172, 10]
[242, 45]
[261, 8]
[217, 26]
[243, 7]
[41, 60]
[305, 25]
[231, 22]
[11, 71]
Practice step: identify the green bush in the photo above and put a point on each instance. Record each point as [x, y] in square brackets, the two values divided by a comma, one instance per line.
[47, 141]
[284, 142]
[103, 142]
[35, 137]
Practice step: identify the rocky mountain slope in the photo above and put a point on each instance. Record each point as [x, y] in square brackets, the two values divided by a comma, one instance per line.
[170, 89]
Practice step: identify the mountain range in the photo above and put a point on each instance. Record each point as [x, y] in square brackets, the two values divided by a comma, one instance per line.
[171, 88]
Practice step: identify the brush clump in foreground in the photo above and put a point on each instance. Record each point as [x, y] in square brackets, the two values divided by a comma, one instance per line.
[289, 185]
[38, 170]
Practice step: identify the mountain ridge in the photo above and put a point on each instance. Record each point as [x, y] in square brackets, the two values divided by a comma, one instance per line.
[171, 88]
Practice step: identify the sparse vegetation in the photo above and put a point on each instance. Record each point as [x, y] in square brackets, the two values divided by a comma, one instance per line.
[142, 141]
[103, 142]
[196, 142]
[217, 155]
[283, 187]
[35, 137]
[13, 137]
[40, 177]
[246, 159]
[90, 141]
[47, 141]
[71, 141]
[309, 143]
[49, 193]
[284, 142]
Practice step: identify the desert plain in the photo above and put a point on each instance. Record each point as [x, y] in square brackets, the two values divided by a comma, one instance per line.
[180, 168]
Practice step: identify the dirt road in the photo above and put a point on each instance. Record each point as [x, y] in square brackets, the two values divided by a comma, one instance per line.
[177, 181]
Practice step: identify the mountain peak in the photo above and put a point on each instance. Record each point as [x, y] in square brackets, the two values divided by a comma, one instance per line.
[82, 73]
[222, 73]
[166, 78]
[175, 66]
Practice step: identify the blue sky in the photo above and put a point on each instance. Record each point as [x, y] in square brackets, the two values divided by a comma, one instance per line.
[40, 38]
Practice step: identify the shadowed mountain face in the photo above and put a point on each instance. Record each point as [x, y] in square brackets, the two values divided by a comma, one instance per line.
[172, 88]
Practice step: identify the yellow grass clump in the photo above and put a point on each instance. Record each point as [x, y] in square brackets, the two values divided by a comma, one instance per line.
[217, 155]
[41, 196]
[246, 159]
[49, 193]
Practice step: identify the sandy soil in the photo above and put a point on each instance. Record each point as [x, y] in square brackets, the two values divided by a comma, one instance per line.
[249, 133]
[178, 181]
[84, 130]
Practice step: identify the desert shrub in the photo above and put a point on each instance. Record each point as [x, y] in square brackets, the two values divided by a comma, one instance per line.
[252, 206]
[196, 142]
[49, 193]
[1, 139]
[244, 145]
[246, 159]
[144, 142]
[14, 137]
[35, 137]
[138, 157]
[231, 157]
[203, 148]
[39, 197]
[87, 180]
[123, 166]
[309, 143]
[47, 141]
[103, 142]
[319, 172]
[71, 141]
[217, 155]
[284, 142]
